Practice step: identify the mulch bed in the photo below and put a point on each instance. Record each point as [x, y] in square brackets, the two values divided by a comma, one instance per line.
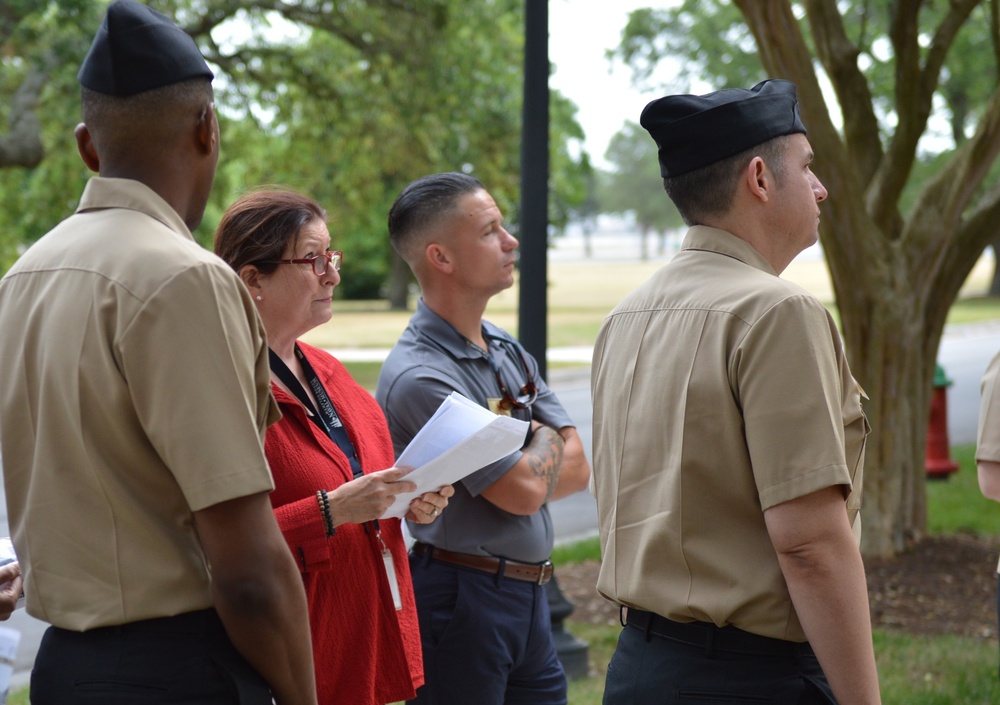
[943, 585]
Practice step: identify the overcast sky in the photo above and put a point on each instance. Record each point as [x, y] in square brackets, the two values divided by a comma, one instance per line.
[580, 31]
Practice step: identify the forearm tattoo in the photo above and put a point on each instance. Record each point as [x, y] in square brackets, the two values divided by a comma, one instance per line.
[545, 457]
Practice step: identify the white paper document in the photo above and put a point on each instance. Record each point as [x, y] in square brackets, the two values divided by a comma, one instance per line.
[460, 438]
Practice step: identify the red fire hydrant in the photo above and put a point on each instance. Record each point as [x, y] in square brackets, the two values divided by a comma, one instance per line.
[938, 462]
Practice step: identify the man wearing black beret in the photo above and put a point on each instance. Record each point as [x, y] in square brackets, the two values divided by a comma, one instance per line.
[134, 395]
[729, 433]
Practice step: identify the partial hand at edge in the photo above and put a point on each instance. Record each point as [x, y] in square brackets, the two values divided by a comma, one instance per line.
[430, 505]
[13, 581]
[988, 473]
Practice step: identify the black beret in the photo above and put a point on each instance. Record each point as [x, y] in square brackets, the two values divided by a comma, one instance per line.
[693, 131]
[138, 49]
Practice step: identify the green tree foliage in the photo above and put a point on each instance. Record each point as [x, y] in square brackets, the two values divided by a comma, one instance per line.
[370, 98]
[38, 41]
[907, 217]
[634, 185]
[346, 101]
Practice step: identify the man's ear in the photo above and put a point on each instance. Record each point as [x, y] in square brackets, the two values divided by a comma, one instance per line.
[758, 179]
[85, 146]
[207, 131]
[438, 258]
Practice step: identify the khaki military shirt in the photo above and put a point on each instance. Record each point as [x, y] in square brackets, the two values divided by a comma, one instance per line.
[988, 437]
[720, 390]
[134, 390]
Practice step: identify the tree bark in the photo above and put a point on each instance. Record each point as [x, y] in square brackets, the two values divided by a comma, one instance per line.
[399, 283]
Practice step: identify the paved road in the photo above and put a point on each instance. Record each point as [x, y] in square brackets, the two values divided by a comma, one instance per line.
[964, 354]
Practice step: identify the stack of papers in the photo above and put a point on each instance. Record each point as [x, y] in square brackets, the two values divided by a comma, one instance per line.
[460, 438]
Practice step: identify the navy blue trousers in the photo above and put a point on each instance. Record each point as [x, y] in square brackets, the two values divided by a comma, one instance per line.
[486, 640]
[187, 659]
[652, 670]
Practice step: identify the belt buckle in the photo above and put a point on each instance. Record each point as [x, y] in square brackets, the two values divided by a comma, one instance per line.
[541, 572]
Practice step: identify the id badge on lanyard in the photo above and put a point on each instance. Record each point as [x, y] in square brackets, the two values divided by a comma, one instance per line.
[390, 573]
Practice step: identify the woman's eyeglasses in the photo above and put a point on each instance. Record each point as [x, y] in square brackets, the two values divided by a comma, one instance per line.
[320, 264]
[528, 393]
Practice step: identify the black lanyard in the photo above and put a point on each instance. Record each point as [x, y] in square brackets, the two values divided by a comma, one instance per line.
[326, 417]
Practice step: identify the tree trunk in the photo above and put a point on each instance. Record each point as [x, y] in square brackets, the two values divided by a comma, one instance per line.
[995, 284]
[399, 283]
[893, 360]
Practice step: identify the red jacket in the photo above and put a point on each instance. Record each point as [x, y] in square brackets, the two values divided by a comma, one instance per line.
[364, 650]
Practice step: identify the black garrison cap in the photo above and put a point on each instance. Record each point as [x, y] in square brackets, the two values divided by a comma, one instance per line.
[138, 49]
[693, 131]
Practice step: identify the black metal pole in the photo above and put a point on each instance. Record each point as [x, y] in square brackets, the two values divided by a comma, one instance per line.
[533, 299]
[533, 302]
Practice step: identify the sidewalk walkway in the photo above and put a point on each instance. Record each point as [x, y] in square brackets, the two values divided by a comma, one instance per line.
[579, 354]
[583, 354]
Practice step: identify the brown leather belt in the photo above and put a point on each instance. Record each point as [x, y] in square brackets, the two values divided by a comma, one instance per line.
[515, 570]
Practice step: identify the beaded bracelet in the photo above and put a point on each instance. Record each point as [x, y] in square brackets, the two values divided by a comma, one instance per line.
[324, 508]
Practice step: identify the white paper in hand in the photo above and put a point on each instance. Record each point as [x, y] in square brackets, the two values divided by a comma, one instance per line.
[460, 438]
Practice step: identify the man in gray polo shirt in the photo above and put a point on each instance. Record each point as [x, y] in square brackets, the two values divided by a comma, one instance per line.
[478, 570]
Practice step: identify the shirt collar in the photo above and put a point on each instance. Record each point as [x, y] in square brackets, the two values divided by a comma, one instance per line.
[103, 192]
[706, 239]
[446, 336]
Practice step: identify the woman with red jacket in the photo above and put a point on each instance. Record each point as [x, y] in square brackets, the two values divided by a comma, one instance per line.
[328, 455]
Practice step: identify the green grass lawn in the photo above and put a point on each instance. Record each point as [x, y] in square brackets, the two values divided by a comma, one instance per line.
[956, 505]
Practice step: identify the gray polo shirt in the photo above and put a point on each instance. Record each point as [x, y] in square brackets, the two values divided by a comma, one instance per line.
[429, 362]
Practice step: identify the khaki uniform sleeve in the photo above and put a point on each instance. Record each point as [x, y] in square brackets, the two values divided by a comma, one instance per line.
[988, 437]
[790, 389]
[196, 364]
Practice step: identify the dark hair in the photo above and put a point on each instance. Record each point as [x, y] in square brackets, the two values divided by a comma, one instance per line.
[151, 119]
[708, 192]
[422, 203]
[259, 226]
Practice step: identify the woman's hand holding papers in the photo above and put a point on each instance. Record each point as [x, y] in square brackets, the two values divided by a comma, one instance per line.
[367, 497]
